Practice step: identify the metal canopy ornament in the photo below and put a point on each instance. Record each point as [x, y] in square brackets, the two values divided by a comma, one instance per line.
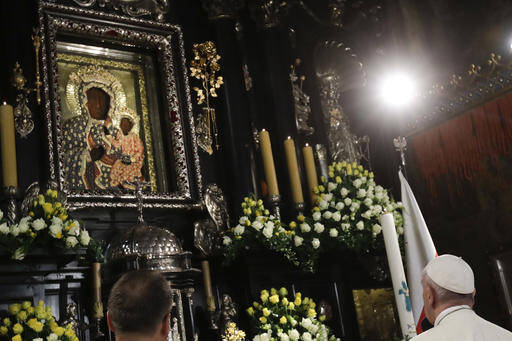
[133, 8]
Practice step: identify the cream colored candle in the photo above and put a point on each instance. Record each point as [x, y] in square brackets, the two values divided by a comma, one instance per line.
[96, 290]
[268, 163]
[309, 162]
[208, 290]
[8, 146]
[293, 170]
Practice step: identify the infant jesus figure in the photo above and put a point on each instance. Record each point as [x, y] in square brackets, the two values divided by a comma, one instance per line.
[128, 167]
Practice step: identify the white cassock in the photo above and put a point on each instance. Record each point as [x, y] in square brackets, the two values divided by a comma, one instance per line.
[461, 323]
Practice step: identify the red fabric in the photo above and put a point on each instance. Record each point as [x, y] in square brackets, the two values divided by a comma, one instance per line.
[455, 152]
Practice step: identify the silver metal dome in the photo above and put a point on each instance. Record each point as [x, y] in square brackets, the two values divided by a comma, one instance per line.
[148, 247]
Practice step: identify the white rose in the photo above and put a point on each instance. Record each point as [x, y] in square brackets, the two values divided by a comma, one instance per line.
[293, 322]
[56, 221]
[293, 334]
[361, 193]
[328, 197]
[400, 230]
[4, 229]
[304, 227]
[360, 225]
[260, 219]
[316, 243]
[333, 233]
[37, 339]
[74, 229]
[306, 323]
[71, 241]
[367, 202]
[357, 183]
[1, 214]
[327, 215]
[345, 217]
[313, 329]
[348, 201]
[379, 195]
[24, 224]
[267, 231]
[367, 214]
[336, 216]
[239, 229]
[379, 189]
[14, 230]
[52, 337]
[319, 228]
[284, 337]
[354, 207]
[257, 225]
[317, 216]
[298, 240]
[331, 186]
[269, 224]
[364, 179]
[55, 229]
[377, 209]
[306, 336]
[19, 254]
[323, 205]
[243, 220]
[84, 238]
[344, 192]
[376, 228]
[345, 227]
[340, 206]
[226, 240]
[38, 224]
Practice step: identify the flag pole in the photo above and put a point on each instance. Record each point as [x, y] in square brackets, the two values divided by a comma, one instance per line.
[400, 144]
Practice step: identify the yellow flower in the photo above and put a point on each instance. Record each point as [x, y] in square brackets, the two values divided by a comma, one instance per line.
[63, 217]
[40, 313]
[16, 338]
[312, 304]
[322, 318]
[354, 164]
[38, 327]
[58, 204]
[301, 218]
[59, 331]
[316, 209]
[32, 323]
[250, 311]
[33, 235]
[285, 301]
[349, 171]
[315, 190]
[321, 188]
[283, 291]
[311, 313]
[293, 225]
[17, 328]
[273, 291]
[291, 306]
[274, 299]
[297, 301]
[331, 174]
[47, 207]
[266, 312]
[264, 297]
[7, 322]
[365, 173]
[15, 309]
[283, 320]
[3, 330]
[30, 311]
[338, 179]
[267, 212]
[248, 223]
[356, 172]
[69, 333]
[31, 213]
[22, 315]
[263, 319]
[54, 194]
[305, 300]
[40, 198]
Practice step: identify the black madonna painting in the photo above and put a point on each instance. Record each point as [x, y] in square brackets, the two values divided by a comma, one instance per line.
[106, 140]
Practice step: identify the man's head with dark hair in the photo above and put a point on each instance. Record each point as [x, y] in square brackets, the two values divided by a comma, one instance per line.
[139, 305]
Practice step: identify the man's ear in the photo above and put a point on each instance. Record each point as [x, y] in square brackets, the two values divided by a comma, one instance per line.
[166, 326]
[431, 298]
[109, 322]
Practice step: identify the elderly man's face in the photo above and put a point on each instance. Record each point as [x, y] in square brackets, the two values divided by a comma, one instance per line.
[428, 301]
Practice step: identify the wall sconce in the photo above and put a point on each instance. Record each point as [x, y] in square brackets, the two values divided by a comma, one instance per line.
[23, 121]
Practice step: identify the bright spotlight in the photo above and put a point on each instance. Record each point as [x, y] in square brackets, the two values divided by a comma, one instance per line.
[397, 89]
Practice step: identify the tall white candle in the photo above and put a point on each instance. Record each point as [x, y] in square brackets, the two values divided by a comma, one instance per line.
[396, 267]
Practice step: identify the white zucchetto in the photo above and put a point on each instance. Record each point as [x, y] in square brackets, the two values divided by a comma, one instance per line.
[451, 273]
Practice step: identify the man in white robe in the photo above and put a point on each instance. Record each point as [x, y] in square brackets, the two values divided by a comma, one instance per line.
[448, 295]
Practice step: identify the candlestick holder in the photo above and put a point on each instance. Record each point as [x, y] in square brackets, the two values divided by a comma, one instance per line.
[275, 200]
[299, 207]
[11, 195]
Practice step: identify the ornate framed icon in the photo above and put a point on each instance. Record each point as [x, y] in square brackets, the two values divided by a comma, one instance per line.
[118, 109]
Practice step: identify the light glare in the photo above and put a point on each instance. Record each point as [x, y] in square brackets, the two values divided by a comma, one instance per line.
[397, 89]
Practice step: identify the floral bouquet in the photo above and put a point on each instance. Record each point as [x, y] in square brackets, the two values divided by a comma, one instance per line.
[47, 223]
[204, 67]
[257, 228]
[347, 213]
[36, 323]
[276, 317]
[232, 333]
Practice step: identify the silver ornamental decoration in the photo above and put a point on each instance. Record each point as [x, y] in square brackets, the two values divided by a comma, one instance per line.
[338, 70]
[133, 8]
[301, 102]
